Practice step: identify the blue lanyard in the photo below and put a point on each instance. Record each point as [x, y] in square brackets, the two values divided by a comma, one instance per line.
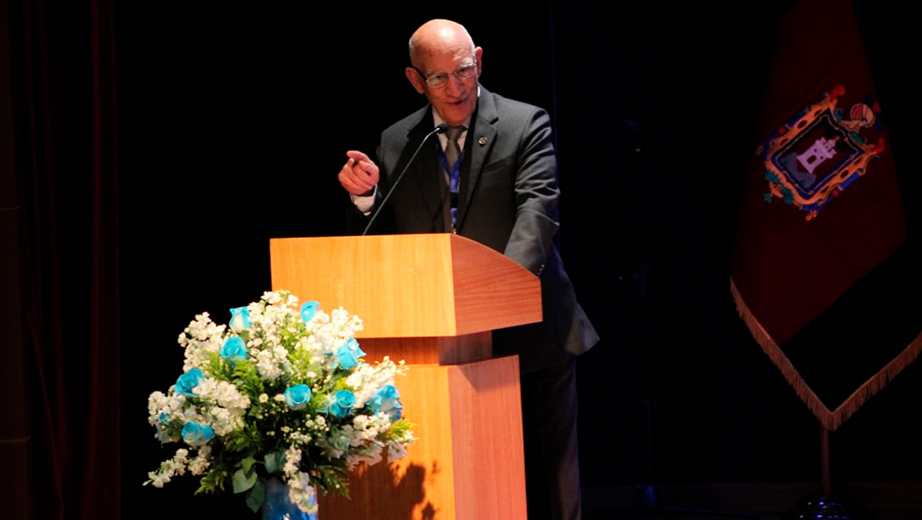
[454, 176]
[454, 179]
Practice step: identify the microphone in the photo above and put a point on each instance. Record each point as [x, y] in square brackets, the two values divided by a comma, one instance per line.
[438, 130]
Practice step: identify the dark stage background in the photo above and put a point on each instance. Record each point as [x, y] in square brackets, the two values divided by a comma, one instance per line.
[234, 118]
[233, 121]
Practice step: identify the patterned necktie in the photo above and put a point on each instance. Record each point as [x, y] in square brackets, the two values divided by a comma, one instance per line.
[452, 154]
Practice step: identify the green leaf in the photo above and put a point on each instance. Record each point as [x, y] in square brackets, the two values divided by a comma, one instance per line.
[275, 461]
[247, 464]
[212, 481]
[256, 496]
[244, 481]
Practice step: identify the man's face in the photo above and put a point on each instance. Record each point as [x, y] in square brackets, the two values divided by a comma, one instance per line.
[456, 100]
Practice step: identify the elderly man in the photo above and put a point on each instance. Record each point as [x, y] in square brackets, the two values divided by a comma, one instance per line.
[490, 176]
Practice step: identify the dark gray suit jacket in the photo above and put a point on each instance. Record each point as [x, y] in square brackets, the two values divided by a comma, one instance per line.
[507, 200]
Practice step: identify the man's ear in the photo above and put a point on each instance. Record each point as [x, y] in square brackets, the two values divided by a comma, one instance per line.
[478, 53]
[415, 79]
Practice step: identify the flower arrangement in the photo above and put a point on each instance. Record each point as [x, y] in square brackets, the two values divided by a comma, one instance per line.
[281, 391]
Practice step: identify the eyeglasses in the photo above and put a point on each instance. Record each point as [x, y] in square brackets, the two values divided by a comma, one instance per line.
[440, 79]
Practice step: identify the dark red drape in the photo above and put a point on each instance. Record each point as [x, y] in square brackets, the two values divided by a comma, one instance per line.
[63, 144]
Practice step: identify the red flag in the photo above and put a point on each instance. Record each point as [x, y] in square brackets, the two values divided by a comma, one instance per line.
[822, 206]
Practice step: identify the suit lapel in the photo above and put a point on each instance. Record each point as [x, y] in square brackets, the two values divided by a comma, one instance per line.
[477, 146]
[425, 173]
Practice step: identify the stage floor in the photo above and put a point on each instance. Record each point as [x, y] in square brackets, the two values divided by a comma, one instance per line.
[899, 500]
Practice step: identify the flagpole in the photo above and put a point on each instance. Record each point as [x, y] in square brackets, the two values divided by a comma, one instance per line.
[826, 505]
[826, 466]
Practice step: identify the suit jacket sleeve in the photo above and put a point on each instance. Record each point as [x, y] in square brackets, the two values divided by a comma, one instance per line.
[536, 195]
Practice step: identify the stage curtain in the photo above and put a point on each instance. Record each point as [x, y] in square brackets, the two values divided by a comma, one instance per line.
[61, 248]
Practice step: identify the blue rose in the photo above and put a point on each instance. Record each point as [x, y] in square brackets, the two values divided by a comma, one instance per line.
[297, 396]
[188, 381]
[343, 404]
[354, 345]
[196, 434]
[386, 399]
[308, 310]
[234, 350]
[162, 434]
[346, 358]
[348, 354]
[374, 403]
[240, 319]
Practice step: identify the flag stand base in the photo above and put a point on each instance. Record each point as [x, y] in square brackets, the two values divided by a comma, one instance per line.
[825, 508]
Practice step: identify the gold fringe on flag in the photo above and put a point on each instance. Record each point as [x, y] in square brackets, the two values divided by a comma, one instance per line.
[830, 419]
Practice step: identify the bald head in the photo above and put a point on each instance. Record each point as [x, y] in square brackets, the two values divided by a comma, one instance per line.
[437, 36]
[446, 68]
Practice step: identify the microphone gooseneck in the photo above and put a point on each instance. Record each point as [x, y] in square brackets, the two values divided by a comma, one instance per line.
[438, 130]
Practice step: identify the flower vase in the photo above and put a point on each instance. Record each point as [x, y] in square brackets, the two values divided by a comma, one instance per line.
[278, 505]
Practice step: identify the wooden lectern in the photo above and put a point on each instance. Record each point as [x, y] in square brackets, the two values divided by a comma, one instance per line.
[431, 300]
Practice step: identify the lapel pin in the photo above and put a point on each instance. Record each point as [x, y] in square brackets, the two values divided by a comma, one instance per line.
[482, 141]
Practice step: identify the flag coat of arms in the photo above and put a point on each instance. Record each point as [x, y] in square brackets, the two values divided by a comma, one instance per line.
[821, 211]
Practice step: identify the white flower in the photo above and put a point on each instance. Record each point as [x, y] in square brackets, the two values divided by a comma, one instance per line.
[227, 405]
[202, 336]
[396, 450]
[169, 468]
[155, 403]
[171, 406]
[272, 362]
[200, 463]
[271, 297]
[292, 459]
[367, 379]
[369, 455]
[301, 493]
[300, 438]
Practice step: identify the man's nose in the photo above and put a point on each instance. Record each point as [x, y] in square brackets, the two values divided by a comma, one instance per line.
[455, 85]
